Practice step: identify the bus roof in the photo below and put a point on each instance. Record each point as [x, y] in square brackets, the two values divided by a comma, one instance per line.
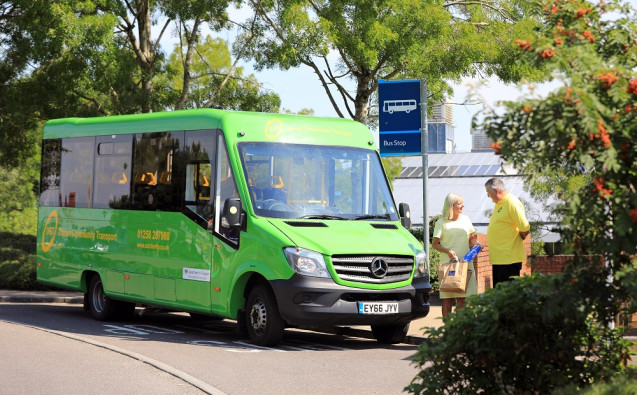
[237, 126]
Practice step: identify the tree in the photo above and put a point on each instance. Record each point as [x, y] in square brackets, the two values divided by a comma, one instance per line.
[97, 57]
[437, 40]
[584, 130]
[17, 202]
[41, 44]
[393, 166]
[215, 82]
[135, 29]
[539, 333]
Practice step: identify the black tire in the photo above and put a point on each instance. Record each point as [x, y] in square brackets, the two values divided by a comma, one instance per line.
[103, 308]
[390, 334]
[264, 323]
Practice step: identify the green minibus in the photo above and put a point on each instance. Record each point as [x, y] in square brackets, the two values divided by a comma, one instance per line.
[272, 220]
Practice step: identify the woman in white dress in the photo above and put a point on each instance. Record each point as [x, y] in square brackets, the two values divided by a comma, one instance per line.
[454, 235]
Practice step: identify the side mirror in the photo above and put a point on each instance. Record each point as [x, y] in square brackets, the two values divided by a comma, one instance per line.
[405, 215]
[232, 213]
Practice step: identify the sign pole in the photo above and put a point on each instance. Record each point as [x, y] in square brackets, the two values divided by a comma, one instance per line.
[424, 144]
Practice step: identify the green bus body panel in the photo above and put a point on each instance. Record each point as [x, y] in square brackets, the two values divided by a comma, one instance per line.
[141, 256]
[237, 126]
[260, 251]
[164, 258]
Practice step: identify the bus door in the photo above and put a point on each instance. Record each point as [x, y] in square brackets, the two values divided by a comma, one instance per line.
[225, 237]
[197, 269]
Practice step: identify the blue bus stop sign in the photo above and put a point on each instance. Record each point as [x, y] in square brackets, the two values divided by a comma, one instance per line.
[399, 117]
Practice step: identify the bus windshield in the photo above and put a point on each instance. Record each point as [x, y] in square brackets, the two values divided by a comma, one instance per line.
[316, 182]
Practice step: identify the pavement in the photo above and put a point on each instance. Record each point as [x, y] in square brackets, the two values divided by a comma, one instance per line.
[416, 334]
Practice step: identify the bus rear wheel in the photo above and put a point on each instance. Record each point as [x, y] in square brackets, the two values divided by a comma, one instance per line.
[390, 334]
[263, 322]
[102, 307]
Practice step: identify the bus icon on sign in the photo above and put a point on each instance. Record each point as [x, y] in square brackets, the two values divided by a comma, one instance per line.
[399, 105]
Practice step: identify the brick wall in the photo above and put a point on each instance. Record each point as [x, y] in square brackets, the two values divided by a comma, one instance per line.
[549, 264]
[543, 264]
[483, 265]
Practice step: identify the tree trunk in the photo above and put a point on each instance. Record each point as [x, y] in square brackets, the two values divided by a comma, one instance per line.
[363, 93]
[146, 54]
[191, 40]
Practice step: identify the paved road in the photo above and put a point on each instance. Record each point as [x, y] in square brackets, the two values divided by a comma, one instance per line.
[59, 348]
[36, 361]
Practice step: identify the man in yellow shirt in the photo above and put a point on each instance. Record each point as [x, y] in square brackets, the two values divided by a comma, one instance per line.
[508, 227]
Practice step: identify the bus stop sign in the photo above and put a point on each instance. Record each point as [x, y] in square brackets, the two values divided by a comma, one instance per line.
[399, 117]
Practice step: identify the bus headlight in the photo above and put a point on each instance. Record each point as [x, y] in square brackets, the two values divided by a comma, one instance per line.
[306, 262]
[422, 265]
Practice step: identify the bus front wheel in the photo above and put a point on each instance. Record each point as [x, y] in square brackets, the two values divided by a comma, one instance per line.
[263, 323]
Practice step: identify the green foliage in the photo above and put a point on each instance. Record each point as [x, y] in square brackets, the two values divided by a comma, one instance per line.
[93, 58]
[534, 218]
[19, 222]
[434, 263]
[576, 144]
[16, 190]
[531, 335]
[18, 219]
[17, 262]
[437, 40]
[624, 384]
[585, 131]
[537, 248]
[303, 111]
[210, 84]
[393, 166]
[627, 277]
[18, 208]
[419, 233]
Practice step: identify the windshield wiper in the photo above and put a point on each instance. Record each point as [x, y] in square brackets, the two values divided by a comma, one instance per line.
[363, 217]
[322, 216]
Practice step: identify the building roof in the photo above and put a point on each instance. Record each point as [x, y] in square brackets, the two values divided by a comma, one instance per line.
[468, 164]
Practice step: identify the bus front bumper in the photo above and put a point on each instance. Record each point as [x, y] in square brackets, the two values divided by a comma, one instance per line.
[306, 301]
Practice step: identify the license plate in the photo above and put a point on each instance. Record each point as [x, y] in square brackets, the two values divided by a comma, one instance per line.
[377, 308]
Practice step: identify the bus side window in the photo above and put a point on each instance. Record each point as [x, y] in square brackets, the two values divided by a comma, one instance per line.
[77, 172]
[50, 178]
[113, 171]
[226, 188]
[199, 152]
[153, 157]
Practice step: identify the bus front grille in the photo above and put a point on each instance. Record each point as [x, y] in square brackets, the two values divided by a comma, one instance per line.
[373, 269]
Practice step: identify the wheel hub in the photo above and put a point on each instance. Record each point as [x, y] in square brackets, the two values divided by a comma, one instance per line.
[258, 317]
